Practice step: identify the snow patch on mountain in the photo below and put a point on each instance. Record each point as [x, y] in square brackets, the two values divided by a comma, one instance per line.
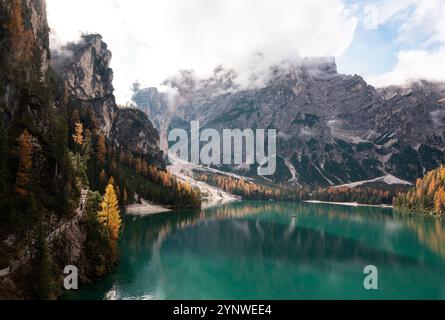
[292, 170]
[388, 179]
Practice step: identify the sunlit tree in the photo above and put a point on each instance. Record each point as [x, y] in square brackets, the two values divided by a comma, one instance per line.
[109, 215]
[78, 134]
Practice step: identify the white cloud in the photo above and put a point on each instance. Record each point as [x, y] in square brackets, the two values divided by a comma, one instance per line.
[426, 23]
[421, 32]
[413, 65]
[377, 13]
[152, 40]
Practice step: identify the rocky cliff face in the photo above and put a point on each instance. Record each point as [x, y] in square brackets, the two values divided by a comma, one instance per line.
[152, 103]
[85, 67]
[333, 128]
[24, 51]
[26, 34]
[412, 128]
[132, 129]
[32, 102]
[28, 105]
[87, 74]
[88, 78]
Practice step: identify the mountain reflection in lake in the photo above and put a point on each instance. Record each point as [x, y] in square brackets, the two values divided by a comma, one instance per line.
[258, 250]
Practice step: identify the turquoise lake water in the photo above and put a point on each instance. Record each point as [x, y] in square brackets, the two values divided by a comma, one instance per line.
[258, 250]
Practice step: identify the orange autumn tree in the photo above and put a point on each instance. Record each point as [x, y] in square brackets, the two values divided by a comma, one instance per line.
[439, 201]
[25, 164]
[78, 134]
[109, 215]
[428, 196]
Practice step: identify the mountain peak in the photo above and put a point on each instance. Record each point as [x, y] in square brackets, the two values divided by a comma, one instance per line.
[423, 87]
[321, 64]
[86, 67]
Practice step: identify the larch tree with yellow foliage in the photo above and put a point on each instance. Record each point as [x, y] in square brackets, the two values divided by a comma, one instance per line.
[109, 215]
[428, 196]
[439, 201]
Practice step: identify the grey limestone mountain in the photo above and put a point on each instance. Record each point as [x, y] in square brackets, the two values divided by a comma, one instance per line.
[333, 128]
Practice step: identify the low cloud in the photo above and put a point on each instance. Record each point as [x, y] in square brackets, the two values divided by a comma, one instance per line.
[152, 40]
[413, 65]
[421, 34]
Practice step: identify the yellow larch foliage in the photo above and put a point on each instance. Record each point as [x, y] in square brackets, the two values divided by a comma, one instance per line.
[166, 182]
[432, 187]
[109, 215]
[428, 195]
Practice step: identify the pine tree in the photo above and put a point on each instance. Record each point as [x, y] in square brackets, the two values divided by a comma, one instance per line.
[43, 283]
[75, 118]
[4, 150]
[118, 192]
[125, 196]
[87, 145]
[66, 96]
[138, 166]
[25, 164]
[101, 150]
[91, 121]
[103, 177]
[109, 215]
[122, 157]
